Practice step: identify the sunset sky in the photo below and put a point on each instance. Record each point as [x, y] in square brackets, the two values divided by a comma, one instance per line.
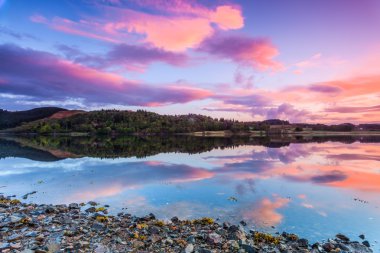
[302, 61]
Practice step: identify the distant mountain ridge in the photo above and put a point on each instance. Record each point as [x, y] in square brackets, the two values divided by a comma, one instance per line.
[9, 119]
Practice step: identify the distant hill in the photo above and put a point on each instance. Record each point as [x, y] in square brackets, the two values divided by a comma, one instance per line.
[52, 120]
[10, 119]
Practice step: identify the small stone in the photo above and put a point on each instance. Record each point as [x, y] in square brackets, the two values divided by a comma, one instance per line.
[5, 246]
[31, 234]
[90, 210]
[175, 219]
[100, 248]
[342, 237]
[366, 243]
[14, 237]
[343, 247]
[226, 225]
[98, 226]
[243, 223]
[138, 244]
[189, 248]
[303, 243]
[74, 206]
[202, 250]
[214, 238]
[27, 251]
[248, 248]
[155, 238]
[154, 230]
[190, 239]
[15, 245]
[50, 209]
[15, 219]
[328, 246]
[362, 236]
[234, 244]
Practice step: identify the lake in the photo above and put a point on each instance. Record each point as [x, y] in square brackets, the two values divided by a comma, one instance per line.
[315, 187]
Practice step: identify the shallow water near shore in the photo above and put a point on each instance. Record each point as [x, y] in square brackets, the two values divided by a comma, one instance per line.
[314, 188]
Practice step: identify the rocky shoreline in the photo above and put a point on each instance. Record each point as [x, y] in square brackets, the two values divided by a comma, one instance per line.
[89, 228]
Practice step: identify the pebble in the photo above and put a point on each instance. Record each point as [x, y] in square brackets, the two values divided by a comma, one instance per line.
[189, 248]
[27, 228]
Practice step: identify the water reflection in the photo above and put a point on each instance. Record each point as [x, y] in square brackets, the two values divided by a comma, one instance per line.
[315, 187]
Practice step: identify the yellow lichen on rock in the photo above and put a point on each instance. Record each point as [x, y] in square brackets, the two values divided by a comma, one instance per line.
[265, 238]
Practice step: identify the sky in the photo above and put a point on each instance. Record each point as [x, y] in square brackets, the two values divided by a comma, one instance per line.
[296, 60]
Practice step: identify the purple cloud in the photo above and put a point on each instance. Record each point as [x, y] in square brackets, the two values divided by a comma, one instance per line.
[45, 76]
[354, 109]
[324, 88]
[254, 52]
[132, 57]
[333, 176]
[288, 112]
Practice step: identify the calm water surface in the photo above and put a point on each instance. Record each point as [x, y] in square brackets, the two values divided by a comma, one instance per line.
[309, 188]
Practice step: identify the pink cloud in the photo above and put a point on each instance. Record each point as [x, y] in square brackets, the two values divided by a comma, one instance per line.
[317, 61]
[302, 196]
[352, 99]
[38, 19]
[265, 213]
[43, 75]
[186, 26]
[254, 52]
[227, 17]
[308, 206]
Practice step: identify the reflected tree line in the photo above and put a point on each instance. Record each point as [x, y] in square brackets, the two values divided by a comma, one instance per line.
[49, 148]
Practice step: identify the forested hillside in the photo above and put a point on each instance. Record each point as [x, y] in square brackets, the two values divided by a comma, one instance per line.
[127, 122]
[12, 119]
[105, 122]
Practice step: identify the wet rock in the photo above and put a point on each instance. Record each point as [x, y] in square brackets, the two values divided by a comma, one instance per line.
[248, 248]
[202, 250]
[154, 230]
[358, 248]
[4, 246]
[74, 206]
[303, 243]
[31, 234]
[175, 219]
[362, 236]
[328, 246]
[15, 219]
[234, 233]
[343, 247]
[90, 210]
[92, 203]
[15, 246]
[189, 248]
[366, 243]
[50, 209]
[138, 244]
[214, 238]
[342, 237]
[98, 226]
[14, 237]
[243, 223]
